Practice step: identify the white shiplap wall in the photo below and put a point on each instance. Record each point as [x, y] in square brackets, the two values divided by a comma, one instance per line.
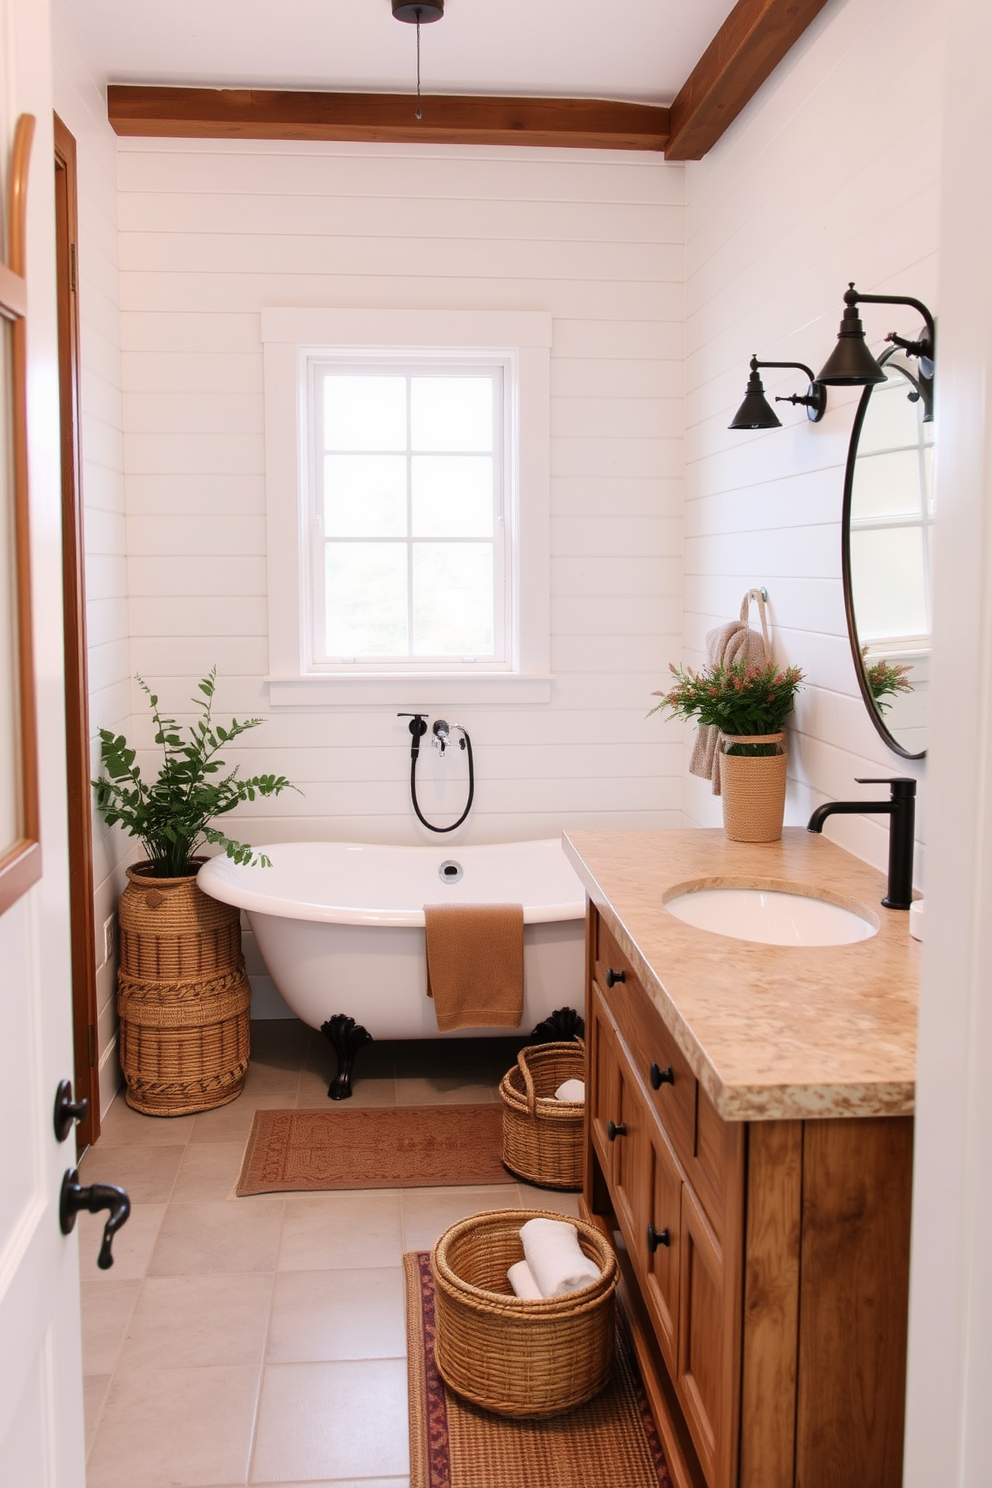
[80, 102]
[211, 233]
[824, 178]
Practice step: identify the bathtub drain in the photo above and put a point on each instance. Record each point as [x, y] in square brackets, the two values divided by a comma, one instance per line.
[449, 871]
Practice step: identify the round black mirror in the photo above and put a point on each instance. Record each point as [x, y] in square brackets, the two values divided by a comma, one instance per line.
[887, 548]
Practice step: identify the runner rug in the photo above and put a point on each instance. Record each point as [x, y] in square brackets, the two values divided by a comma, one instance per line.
[387, 1147]
[610, 1442]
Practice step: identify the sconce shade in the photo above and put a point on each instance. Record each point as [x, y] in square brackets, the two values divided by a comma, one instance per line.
[755, 412]
[851, 364]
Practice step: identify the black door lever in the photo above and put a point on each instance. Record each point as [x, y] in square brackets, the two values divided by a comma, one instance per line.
[91, 1199]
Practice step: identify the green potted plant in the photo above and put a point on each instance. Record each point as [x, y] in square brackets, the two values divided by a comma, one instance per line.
[183, 996]
[748, 705]
[171, 816]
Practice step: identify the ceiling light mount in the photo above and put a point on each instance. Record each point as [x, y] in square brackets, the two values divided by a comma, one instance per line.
[757, 413]
[420, 14]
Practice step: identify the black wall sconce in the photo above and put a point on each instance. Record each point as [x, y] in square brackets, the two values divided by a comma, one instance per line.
[757, 413]
[851, 364]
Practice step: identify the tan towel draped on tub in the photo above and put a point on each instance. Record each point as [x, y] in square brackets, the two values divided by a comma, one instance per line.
[475, 964]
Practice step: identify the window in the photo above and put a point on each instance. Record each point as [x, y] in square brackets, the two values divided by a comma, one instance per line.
[407, 475]
[408, 537]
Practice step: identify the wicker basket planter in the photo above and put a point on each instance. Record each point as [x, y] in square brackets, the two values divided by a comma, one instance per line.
[182, 996]
[752, 788]
[512, 1356]
[542, 1137]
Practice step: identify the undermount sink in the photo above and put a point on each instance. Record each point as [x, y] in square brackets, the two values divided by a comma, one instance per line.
[770, 916]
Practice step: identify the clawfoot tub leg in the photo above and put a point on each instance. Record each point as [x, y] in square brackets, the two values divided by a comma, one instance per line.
[563, 1024]
[346, 1037]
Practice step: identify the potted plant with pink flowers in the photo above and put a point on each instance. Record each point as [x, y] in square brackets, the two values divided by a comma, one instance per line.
[748, 705]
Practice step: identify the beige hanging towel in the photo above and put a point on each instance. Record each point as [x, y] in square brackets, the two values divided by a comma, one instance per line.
[475, 964]
[725, 645]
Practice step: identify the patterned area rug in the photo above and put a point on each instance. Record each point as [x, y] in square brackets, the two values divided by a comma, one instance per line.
[610, 1442]
[391, 1147]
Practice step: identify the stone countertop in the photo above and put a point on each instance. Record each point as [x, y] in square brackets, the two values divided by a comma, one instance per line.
[771, 1032]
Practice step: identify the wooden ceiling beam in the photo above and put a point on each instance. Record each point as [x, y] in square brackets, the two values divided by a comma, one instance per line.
[748, 47]
[243, 113]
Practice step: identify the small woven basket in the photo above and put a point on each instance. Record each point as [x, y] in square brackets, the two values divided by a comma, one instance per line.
[542, 1137]
[752, 789]
[183, 997]
[510, 1355]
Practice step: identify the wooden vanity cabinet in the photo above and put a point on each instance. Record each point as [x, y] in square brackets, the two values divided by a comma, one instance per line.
[765, 1264]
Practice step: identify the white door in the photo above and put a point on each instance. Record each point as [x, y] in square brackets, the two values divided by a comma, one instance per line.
[41, 1420]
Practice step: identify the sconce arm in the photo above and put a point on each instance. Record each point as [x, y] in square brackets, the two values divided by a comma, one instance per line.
[814, 400]
[800, 365]
[856, 298]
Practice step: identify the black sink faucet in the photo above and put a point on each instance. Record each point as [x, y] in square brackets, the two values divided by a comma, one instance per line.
[901, 807]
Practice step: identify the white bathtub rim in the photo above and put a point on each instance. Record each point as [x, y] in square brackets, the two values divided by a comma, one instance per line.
[224, 880]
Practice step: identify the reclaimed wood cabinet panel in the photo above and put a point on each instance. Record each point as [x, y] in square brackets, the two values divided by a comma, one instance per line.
[854, 1301]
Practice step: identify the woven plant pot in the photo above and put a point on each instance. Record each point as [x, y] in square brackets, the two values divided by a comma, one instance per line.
[542, 1137]
[183, 997]
[512, 1356]
[752, 788]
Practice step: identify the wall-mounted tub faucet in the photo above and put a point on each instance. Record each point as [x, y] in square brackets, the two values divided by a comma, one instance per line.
[418, 728]
[442, 735]
[901, 808]
[441, 740]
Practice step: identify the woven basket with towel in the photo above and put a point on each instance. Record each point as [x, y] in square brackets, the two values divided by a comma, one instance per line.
[542, 1133]
[526, 1357]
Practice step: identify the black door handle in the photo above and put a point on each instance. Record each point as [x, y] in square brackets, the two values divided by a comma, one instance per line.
[96, 1196]
[67, 1110]
[658, 1237]
[661, 1076]
[613, 1130]
[612, 977]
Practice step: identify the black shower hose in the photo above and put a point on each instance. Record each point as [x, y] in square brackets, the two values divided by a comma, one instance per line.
[466, 743]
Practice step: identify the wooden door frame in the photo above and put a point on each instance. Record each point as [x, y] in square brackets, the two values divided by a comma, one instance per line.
[77, 730]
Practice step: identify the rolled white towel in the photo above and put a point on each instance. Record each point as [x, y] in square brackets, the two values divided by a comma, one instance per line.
[552, 1250]
[521, 1279]
[571, 1090]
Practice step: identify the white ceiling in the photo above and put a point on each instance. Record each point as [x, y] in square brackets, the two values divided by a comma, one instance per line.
[638, 50]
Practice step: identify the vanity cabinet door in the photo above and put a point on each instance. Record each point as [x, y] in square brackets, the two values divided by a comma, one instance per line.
[659, 1243]
[626, 1135]
[668, 1081]
[708, 1343]
[601, 1044]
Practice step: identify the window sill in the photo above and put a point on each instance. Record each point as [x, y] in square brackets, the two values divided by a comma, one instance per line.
[397, 688]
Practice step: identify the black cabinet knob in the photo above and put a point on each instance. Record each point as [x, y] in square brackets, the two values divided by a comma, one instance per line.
[612, 977]
[659, 1076]
[657, 1237]
[613, 1130]
[96, 1196]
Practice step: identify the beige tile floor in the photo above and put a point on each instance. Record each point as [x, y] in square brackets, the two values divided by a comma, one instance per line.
[261, 1340]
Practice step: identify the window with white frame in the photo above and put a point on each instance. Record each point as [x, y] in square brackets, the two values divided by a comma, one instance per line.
[410, 552]
[407, 495]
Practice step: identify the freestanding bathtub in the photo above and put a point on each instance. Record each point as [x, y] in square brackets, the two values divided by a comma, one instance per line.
[341, 925]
